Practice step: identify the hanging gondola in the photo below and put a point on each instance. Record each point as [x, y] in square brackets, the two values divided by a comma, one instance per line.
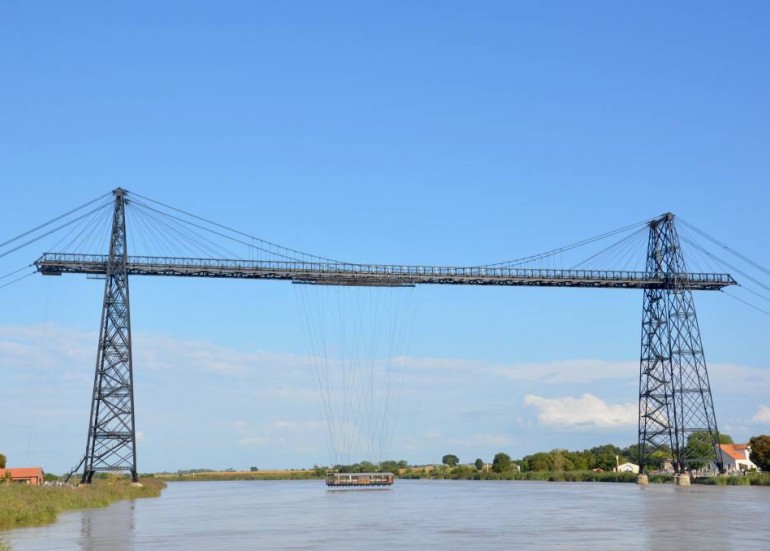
[359, 480]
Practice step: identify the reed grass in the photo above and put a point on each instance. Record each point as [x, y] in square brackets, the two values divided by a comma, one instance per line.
[23, 505]
[753, 479]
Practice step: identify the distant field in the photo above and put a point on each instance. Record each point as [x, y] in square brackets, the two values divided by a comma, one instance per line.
[243, 475]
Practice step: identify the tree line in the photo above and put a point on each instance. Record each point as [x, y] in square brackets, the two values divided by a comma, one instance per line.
[599, 458]
[608, 456]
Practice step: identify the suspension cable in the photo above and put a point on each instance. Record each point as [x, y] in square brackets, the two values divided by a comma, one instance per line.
[746, 302]
[553, 252]
[46, 234]
[193, 224]
[619, 245]
[725, 247]
[18, 278]
[41, 226]
[725, 263]
[236, 231]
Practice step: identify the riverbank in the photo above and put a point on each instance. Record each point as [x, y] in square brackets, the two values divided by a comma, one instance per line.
[22, 505]
[469, 473]
[752, 479]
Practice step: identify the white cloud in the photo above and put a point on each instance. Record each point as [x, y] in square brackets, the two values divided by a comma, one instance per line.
[293, 425]
[475, 440]
[285, 393]
[739, 379]
[762, 416]
[255, 441]
[257, 386]
[47, 347]
[471, 440]
[568, 371]
[553, 372]
[162, 352]
[274, 433]
[584, 412]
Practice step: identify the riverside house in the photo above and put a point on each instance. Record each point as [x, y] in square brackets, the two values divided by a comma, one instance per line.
[33, 476]
[735, 457]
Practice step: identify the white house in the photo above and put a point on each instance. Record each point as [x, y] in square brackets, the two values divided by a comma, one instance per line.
[627, 468]
[735, 457]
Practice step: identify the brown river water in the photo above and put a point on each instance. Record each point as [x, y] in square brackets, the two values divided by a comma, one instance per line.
[417, 515]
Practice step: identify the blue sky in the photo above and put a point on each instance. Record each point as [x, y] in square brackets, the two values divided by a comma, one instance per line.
[454, 133]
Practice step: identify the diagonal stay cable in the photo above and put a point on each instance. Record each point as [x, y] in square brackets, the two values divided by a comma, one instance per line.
[746, 302]
[755, 293]
[18, 278]
[193, 224]
[725, 263]
[235, 231]
[46, 234]
[172, 234]
[614, 247]
[9, 274]
[41, 226]
[725, 247]
[539, 256]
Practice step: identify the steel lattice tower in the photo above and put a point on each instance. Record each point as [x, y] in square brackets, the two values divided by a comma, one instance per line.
[674, 392]
[111, 433]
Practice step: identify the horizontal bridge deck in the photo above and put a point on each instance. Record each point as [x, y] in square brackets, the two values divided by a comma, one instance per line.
[376, 274]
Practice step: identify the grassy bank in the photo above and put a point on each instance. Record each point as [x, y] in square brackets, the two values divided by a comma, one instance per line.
[756, 479]
[426, 473]
[469, 473]
[22, 505]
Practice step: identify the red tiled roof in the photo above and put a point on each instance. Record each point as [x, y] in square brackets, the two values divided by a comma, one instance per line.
[736, 451]
[23, 472]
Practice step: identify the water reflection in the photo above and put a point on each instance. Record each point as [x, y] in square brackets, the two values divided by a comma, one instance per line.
[685, 516]
[111, 528]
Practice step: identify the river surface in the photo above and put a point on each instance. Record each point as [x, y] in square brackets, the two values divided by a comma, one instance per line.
[416, 515]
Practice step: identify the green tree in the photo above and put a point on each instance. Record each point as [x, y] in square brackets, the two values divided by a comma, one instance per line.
[631, 453]
[699, 449]
[451, 460]
[540, 461]
[2, 461]
[578, 460]
[393, 466]
[366, 467]
[561, 460]
[479, 464]
[760, 451]
[502, 463]
[606, 457]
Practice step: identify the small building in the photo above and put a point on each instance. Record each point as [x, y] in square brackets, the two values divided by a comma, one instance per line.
[627, 468]
[33, 476]
[735, 457]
